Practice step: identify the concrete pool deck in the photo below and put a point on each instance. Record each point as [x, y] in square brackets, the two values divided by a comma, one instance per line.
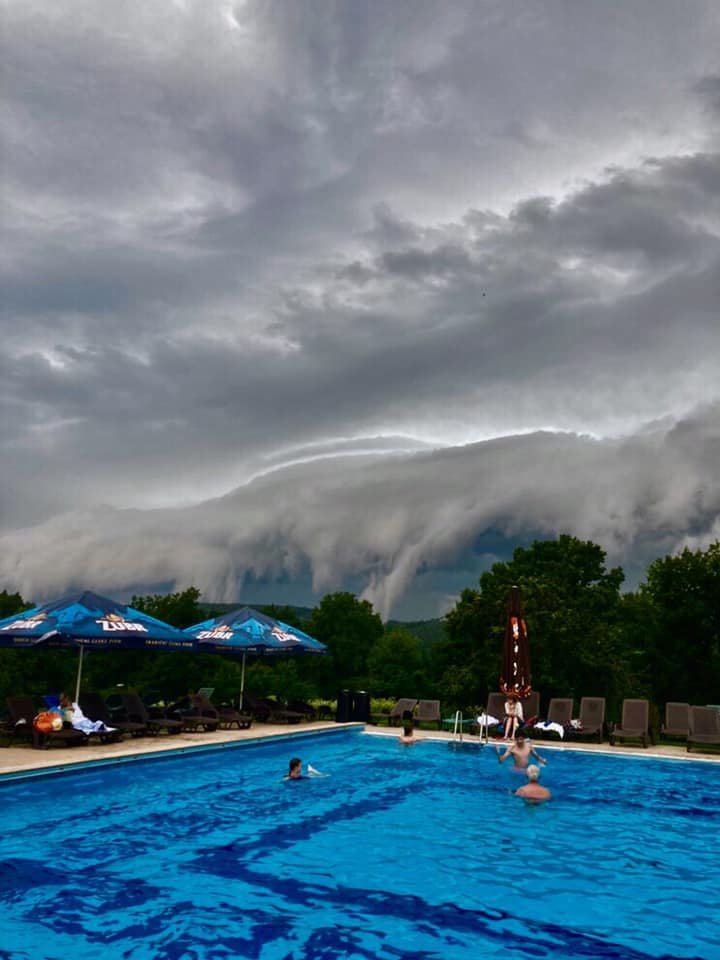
[19, 760]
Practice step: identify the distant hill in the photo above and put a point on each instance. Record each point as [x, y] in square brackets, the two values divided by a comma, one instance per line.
[429, 631]
[217, 609]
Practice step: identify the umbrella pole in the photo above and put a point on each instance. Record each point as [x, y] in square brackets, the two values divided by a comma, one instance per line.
[79, 673]
[242, 680]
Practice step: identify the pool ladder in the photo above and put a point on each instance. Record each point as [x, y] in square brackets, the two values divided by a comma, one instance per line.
[457, 732]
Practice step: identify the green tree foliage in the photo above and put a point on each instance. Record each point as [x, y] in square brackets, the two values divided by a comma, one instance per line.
[397, 665]
[571, 604]
[11, 603]
[349, 627]
[681, 601]
[180, 610]
[660, 642]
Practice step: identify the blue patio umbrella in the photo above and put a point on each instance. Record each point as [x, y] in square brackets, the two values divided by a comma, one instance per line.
[246, 631]
[89, 620]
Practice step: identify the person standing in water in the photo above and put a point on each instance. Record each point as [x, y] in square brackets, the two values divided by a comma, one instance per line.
[521, 751]
[408, 734]
[532, 791]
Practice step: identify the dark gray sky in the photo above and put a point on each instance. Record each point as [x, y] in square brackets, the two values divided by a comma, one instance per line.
[303, 296]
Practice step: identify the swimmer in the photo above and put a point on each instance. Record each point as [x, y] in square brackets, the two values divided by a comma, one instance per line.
[521, 751]
[408, 734]
[532, 792]
[295, 771]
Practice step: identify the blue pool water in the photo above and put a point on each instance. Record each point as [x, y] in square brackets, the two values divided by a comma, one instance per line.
[412, 852]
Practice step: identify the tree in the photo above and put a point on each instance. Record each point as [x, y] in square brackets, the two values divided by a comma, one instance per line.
[180, 610]
[682, 603]
[349, 627]
[572, 607]
[11, 603]
[396, 664]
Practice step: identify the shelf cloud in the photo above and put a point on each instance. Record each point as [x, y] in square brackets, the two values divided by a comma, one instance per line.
[299, 297]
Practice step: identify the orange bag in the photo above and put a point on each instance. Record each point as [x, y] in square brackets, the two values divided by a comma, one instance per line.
[47, 721]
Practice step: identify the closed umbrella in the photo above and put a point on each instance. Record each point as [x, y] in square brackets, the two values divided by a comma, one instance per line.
[88, 620]
[515, 674]
[246, 631]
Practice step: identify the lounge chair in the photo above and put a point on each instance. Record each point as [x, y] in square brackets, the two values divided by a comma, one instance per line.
[591, 722]
[93, 705]
[154, 720]
[281, 713]
[704, 727]
[301, 706]
[530, 707]
[266, 709]
[224, 716]
[23, 711]
[495, 708]
[398, 713]
[634, 723]
[195, 713]
[677, 721]
[258, 707]
[560, 712]
[428, 711]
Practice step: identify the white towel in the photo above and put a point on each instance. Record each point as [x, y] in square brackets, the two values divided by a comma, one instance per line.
[547, 725]
[487, 721]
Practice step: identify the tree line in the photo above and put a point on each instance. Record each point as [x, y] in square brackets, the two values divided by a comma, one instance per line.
[587, 638]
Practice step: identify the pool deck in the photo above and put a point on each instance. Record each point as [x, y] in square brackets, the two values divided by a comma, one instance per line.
[19, 760]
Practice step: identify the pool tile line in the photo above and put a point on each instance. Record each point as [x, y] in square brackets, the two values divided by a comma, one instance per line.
[657, 752]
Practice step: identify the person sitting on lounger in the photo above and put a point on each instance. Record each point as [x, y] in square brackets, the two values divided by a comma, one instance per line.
[532, 792]
[513, 715]
[521, 751]
[408, 733]
[72, 712]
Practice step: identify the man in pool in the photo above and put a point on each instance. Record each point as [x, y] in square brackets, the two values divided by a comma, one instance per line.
[532, 792]
[521, 751]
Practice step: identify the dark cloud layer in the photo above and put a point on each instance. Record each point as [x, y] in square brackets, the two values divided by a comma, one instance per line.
[328, 256]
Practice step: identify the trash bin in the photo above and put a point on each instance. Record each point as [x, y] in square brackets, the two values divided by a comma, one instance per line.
[344, 707]
[360, 706]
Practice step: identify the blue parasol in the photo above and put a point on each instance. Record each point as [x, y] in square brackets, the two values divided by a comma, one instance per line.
[89, 620]
[246, 631]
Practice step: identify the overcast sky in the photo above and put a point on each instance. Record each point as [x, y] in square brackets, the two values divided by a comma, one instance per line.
[303, 296]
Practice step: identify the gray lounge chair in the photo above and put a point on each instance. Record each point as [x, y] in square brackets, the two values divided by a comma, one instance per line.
[496, 706]
[93, 705]
[559, 711]
[195, 713]
[225, 717]
[634, 723]
[428, 711]
[155, 721]
[530, 706]
[704, 727]
[591, 720]
[677, 721]
[403, 706]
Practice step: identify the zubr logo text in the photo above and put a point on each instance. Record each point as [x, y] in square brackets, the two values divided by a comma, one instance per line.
[113, 622]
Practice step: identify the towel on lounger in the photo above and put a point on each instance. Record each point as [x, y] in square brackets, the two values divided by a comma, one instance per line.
[547, 725]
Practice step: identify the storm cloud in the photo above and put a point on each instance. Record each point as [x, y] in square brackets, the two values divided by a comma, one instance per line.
[307, 296]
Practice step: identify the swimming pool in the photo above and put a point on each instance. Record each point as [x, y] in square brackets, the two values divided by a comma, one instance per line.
[401, 853]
